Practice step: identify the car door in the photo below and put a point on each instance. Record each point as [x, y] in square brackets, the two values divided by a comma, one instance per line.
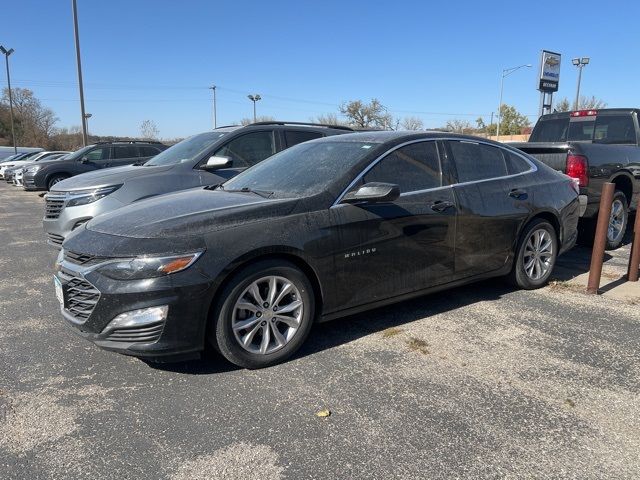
[388, 249]
[244, 151]
[493, 203]
[124, 155]
[99, 157]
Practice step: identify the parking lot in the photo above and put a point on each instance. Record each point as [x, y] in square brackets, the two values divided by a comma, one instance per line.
[481, 381]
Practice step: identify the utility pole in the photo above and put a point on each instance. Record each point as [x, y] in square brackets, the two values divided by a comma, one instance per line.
[254, 99]
[13, 131]
[215, 120]
[82, 112]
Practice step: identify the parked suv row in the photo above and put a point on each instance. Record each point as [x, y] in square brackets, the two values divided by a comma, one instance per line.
[208, 158]
[93, 157]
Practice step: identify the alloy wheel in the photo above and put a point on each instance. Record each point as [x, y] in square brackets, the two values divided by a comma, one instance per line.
[616, 221]
[538, 254]
[267, 314]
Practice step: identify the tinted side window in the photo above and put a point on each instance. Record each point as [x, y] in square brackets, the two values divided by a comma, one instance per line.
[476, 161]
[146, 151]
[101, 153]
[412, 167]
[515, 163]
[248, 149]
[124, 151]
[293, 137]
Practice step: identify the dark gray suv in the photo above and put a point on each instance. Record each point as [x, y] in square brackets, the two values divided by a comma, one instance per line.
[208, 158]
[92, 157]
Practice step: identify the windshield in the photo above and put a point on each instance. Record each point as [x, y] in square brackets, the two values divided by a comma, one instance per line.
[186, 150]
[303, 170]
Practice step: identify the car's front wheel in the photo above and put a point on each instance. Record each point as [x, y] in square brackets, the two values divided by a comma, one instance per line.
[536, 255]
[264, 314]
[55, 179]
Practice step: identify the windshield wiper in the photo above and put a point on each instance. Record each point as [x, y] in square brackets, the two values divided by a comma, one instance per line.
[262, 193]
[139, 164]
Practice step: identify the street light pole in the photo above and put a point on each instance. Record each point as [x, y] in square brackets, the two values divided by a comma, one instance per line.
[505, 73]
[215, 120]
[87, 116]
[580, 63]
[79, 64]
[13, 131]
[254, 99]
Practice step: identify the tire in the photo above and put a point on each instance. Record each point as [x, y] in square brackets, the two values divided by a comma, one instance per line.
[58, 177]
[530, 276]
[618, 220]
[260, 320]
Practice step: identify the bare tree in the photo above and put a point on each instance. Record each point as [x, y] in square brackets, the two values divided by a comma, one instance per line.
[458, 126]
[34, 123]
[366, 115]
[328, 119]
[585, 103]
[260, 118]
[149, 130]
[412, 123]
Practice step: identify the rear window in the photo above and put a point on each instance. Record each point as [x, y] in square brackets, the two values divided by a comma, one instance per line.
[550, 130]
[616, 129]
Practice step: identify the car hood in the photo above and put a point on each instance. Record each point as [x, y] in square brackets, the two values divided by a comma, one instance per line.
[189, 213]
[106, 177]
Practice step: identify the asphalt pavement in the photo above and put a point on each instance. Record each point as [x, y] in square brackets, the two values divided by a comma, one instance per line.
[478, 382]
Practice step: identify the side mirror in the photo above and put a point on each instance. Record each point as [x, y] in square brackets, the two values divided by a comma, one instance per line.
[84, 159]
[215, 163]
[373, 192]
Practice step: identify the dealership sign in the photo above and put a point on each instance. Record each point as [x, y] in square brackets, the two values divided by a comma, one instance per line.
[549, 71]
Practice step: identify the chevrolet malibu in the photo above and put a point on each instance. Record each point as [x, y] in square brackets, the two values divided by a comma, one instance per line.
[319, 231]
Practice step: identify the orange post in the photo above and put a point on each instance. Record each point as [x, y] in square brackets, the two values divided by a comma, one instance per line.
[600, 240]
[634, 258]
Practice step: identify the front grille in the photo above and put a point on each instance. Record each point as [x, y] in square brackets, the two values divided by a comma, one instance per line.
[53, 207]
[147, 334]
[82, 258]
[55, 239]
[81, 296]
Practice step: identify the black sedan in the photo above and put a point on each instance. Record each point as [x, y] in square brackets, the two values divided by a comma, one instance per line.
[327, 228]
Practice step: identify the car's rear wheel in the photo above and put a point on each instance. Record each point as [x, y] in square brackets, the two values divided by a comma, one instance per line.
[617, 221]
[536, 255]
[264, 314]
[55, 179]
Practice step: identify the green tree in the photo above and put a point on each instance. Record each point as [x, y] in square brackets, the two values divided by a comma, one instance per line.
[512, 122]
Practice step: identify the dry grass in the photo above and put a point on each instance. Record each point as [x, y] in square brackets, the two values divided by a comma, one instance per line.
[417, 345]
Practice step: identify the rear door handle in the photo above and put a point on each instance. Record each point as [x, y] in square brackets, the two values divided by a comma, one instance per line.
[441, 206]
[518, 194]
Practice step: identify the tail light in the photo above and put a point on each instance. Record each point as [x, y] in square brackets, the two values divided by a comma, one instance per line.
[577, 167]
[584, 113]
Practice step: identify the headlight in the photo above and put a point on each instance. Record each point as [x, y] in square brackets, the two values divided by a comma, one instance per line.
[83, 198]
[148, 267]
[33, 169]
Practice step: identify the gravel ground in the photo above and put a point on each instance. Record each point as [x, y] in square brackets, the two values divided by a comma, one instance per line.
[478, 382]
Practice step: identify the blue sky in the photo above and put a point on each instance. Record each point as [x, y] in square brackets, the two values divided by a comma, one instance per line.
[154, 60]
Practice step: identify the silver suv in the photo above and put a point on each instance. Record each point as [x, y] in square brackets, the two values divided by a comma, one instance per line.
[208, 158]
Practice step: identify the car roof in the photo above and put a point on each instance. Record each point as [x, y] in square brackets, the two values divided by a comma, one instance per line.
[387, 136]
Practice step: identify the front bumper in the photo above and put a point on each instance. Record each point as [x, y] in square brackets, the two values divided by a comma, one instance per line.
[29, 182]
[60, 220]
[91, 301]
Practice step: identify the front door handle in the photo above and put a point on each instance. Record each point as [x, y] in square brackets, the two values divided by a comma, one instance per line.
[441, 206]
[518, 194]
